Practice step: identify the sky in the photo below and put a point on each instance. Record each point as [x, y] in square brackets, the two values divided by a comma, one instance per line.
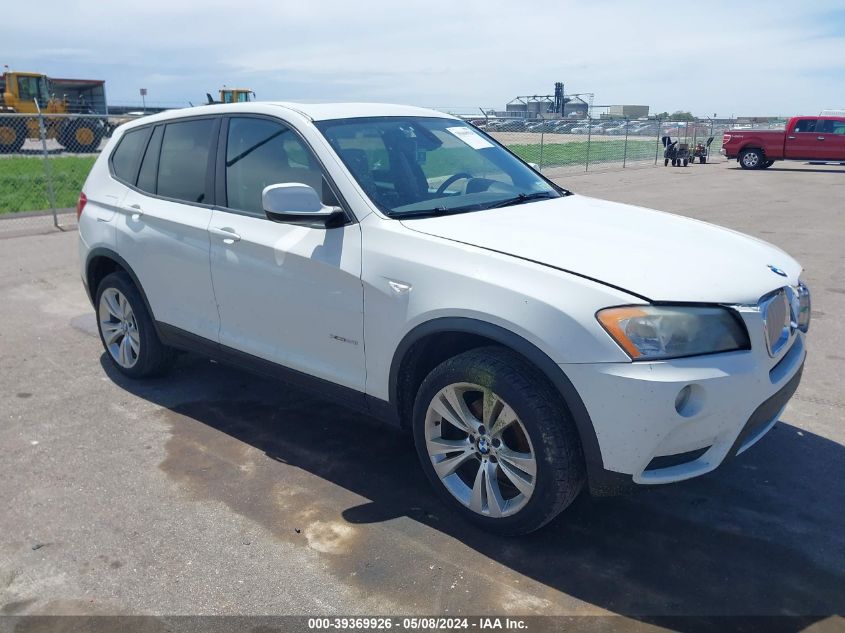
[749, 58]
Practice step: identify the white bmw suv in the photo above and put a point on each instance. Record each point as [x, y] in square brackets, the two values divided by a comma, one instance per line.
[405, 263]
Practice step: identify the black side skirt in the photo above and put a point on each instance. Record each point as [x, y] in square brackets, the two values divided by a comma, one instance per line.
[180, 339]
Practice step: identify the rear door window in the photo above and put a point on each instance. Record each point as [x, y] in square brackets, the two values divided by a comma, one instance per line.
[183, 162]
[831, 126]
[127, 156]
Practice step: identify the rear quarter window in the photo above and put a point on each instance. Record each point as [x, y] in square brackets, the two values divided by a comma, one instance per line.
[127, 156]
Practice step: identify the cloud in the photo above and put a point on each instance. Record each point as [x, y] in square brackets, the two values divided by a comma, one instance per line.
[754, 57]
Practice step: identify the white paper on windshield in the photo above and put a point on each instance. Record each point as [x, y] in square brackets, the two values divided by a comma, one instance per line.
[469, 137]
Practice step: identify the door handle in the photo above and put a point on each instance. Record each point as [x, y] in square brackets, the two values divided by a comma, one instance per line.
[136, 211]
[792, 138]
[820, 138]
[228, 234]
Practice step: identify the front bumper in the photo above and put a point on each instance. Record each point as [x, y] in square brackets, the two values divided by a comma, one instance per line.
[644, 435]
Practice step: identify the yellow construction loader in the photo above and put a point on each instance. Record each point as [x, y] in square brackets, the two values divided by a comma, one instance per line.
[233, 95]
[30, 93]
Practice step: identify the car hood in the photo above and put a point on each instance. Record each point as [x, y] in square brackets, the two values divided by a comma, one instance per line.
[658, 256]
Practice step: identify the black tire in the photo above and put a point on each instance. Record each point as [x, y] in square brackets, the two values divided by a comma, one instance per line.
[665, 162]
[153, 358]
[767, 164]
[751, 159]
[686, 162]
[560, 471]
[674, 162]
[12, 135]
[702, 160]
[82, 135]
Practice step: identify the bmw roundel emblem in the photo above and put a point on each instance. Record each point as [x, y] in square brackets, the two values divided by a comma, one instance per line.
[777, 270]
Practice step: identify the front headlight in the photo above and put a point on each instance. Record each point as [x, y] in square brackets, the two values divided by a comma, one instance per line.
[658, 332]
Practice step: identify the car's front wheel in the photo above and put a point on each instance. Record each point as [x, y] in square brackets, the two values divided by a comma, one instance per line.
[127, 330]
[497, 442]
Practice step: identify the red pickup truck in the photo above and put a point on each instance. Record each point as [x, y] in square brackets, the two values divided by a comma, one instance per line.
[820, 138]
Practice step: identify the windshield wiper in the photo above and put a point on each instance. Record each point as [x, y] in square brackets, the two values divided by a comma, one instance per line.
[416, 213]
[441, 210]
[522, 198]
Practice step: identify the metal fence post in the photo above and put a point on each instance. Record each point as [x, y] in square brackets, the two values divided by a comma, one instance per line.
[709, 136]
[625, 150]
[589, 137]
[657, 140]
[48, 171]
[542, 134]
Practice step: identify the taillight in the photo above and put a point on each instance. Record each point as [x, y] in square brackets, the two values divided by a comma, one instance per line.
[80, 204]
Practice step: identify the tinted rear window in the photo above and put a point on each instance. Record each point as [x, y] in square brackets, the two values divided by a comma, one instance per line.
[831, 126]
[184, 160]
[127, 156]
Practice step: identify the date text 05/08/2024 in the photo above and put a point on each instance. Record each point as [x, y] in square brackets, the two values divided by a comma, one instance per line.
[416, 624]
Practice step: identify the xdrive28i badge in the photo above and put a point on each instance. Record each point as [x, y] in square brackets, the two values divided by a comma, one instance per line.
[777, 270]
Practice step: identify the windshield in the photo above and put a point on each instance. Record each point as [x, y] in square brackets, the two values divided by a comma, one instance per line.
[412, 166]
[32, 88]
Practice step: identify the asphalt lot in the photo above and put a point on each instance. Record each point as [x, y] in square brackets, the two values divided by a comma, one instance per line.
[218, 492]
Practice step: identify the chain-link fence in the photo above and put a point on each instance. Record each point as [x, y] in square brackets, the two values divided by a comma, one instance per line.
[559, 147]
[44, 160]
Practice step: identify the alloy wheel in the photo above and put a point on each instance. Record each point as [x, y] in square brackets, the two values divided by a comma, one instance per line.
[119, 328]
[480, 450]
[751, 159]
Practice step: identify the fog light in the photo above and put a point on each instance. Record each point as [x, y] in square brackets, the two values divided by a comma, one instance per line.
[682, 398]
[689, 401]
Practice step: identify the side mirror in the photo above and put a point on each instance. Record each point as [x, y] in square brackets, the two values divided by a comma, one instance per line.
[295, 202]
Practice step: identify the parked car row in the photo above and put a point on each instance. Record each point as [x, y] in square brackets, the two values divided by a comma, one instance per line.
[609, 127]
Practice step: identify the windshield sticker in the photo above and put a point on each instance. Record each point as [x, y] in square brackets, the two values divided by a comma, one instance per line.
[469, 137]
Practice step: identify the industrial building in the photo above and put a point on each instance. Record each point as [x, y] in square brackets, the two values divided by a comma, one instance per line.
[553, 106]
[563, 106]
[627, 111]
[82, 95]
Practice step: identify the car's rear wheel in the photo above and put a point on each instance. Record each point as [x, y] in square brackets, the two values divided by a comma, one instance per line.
[751, 159]
[496, 442]
[126, 329]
